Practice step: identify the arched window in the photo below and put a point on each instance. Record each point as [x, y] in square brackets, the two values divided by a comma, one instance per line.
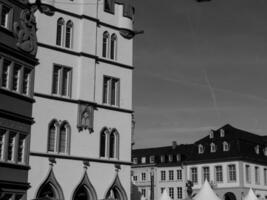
[52, 132]
[212, 147]
[113, 47]
[69, 34]
[60, 32]
[116, 191]
[200, 149]
[103, 136]
[114, 144]
[64, 134]
[50, 188]
[226, 146]
[47, 192]
[85, 190]
[58, 137]
[105, 44]
[81, 194]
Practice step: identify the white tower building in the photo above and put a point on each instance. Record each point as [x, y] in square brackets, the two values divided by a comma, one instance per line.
[81, 139]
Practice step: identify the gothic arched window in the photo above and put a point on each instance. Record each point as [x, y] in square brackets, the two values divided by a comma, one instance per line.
[113, 47]
[105, 44]
[64, 134]
[69, 34]
[114, 144]
[58, 137]
[60, 32]
[103, 136]
[50, 188]
[52, 135]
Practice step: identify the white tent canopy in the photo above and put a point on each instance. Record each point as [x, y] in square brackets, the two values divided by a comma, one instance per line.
[206, 193]
[165, 196]
[250, 196]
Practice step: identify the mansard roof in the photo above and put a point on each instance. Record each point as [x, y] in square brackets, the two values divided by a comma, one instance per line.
[242, 145]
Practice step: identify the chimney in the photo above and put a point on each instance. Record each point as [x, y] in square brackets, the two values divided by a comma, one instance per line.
[174, 144]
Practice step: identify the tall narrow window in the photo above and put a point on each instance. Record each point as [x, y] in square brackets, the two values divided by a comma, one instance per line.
[179, 193]
[11, 146]
[52, 137]
[69, 33]
[103, 143]
[26, 81]
[2, 143]
[112, 145]
[109, 6]
[115, 92]
[194, 176]
[143, 176]
[21, 148]
[63, 134]
[248, 174]
[170, 175]
[257, 175]
[265, 176]
[105, 44]
[232, 172]
[111, 91]
[61, 83]
[163, 175]
[16, 77]
[6, 73]
[55, 83]
[219, 173]
[113, 47]
[206, 173]
[60, 30]
[6, 16]
[66, 73]
[179, 175]
[171, 192]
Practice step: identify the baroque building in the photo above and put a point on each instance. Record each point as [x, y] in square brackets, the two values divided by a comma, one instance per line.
[18, 45]
[81, 146]
[232, 160]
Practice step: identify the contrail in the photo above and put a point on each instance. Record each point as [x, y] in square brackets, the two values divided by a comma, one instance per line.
[213, 96]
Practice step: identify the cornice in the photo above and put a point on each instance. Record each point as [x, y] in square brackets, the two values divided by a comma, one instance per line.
[79, 158]
[75, 53]
[79, 101]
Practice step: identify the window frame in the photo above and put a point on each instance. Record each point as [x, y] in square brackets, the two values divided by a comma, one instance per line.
[219, 174]
[9, 17]
[57, 125]
[60, 81]
[69, 34]
[108, 98]
[194, 174]
[232, 173]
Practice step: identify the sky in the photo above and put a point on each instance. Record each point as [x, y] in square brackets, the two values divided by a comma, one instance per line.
[198, 66]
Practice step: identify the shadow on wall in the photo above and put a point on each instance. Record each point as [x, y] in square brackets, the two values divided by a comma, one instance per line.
[135, 194]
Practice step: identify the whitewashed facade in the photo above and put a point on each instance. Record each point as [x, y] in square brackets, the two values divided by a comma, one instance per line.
[82, 94]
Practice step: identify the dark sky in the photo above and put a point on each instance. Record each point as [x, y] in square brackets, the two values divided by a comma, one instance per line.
[197, 67]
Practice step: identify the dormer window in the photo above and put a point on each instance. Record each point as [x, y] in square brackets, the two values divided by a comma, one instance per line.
[152, 159]
[226, 146]
[135, 161]
[211, 134]
[170, 158]
[143, 160]
[200, 149]
[178, 157]
[265, 151]
[257, 149]
[162, 158]
[222, 133]
[212, 147]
